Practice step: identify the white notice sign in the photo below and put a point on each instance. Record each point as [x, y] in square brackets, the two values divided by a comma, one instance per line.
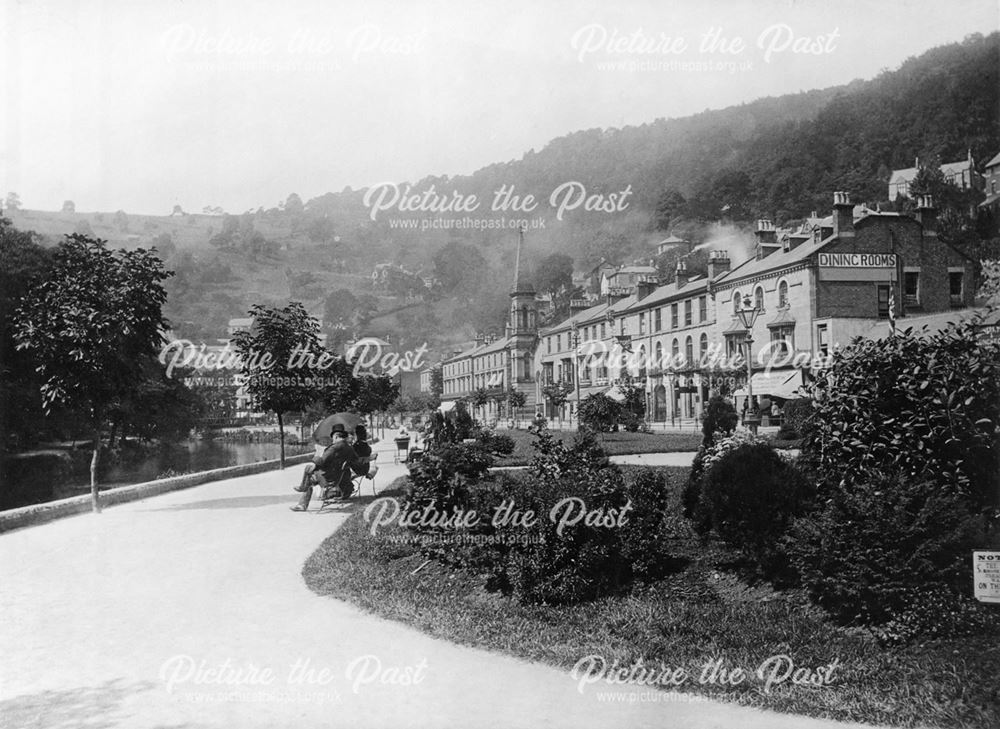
[986, 576]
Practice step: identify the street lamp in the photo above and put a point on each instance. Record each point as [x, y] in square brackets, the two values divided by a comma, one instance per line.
[575, 331]
[748, 315]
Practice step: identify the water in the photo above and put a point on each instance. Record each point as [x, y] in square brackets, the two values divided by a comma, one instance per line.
[187, 457]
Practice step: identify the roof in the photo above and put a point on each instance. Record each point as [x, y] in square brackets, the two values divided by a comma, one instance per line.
[909, 173]
[782, 258]
[670, 241]
[671, 291]
[993, 162]
[633, 269]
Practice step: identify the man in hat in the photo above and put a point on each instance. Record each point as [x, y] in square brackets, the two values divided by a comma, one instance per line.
[333, 469]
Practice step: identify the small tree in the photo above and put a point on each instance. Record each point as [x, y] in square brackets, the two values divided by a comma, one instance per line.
[13, 201]
[556, 395]
[480, 398]
[515, 400]
[88, 325]
[69, 206]
[600, 412]
[274, 360]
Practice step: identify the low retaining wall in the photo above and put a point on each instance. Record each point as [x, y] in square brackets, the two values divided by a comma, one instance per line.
[40, 513]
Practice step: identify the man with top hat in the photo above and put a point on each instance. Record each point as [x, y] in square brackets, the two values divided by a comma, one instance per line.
[334, 469]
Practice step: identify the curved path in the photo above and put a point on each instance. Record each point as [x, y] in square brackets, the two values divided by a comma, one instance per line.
[188, 610]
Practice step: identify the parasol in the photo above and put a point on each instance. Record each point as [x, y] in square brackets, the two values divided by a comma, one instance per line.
[350, 421]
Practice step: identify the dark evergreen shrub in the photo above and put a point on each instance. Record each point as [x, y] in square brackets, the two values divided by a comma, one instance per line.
[720, 417]
[871, 545]
[749, 498]
[924, 407]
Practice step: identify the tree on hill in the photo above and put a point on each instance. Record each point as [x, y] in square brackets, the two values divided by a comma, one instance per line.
[87, 324]
[13, 201]
[69, 206]
[554, 274]
[460, 268]
[670, 206]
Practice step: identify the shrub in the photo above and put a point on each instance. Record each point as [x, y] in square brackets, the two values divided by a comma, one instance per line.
[924, 407]
[787, 432]
[599, 412]
[645, 538]
[749, 496]
[871, 545]
[936, 612]
[720, 417]
[440, 477]
[797, 414]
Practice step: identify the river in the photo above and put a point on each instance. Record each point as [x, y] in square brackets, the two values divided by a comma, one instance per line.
[184, 457]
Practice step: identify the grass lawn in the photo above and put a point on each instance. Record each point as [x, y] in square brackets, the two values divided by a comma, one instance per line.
[614, 444]
[702, 612]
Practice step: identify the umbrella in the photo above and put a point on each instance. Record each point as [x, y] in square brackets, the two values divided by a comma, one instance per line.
[350, 421]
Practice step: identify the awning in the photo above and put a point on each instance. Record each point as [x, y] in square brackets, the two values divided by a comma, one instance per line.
[447, 406]
[778, 383]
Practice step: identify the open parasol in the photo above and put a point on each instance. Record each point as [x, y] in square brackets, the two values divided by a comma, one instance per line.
[350, 421]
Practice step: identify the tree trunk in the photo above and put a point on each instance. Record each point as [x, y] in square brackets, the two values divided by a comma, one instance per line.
[94, 461]
[281, 438]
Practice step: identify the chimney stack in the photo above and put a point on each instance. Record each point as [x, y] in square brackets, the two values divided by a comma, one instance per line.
[681, 275]
[843, 214]
[645, 286]
[927, 214]
[766, 236]
[718, 264]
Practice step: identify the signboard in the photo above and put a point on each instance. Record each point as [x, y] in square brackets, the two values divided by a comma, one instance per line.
[857, 260]
[856, 266]
[986, 576]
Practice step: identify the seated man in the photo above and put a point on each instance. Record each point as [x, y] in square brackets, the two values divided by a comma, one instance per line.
[333, 469]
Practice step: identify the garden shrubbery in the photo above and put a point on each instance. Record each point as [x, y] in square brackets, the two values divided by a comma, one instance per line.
[748, 496]
[904, 439]
[872, 545]
[594, 530]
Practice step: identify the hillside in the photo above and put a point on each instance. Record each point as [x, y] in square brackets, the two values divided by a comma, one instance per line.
[777, 157]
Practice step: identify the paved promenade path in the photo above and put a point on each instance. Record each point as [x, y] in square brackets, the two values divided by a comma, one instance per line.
[189, 610]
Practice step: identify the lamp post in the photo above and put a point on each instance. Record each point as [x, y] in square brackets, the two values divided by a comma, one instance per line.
[575, 332]
[748, 315]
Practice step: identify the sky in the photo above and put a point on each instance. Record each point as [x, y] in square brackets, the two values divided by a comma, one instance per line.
[140, 105]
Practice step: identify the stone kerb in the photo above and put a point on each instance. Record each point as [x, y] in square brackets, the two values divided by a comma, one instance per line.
[26, 516]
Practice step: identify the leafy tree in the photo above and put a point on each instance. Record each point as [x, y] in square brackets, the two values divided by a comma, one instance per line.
[121, 221]
[437, 381]
[554, 274]
[82, 228]
[178, 210]
[293, 204]
[670, 205]
[599, 412]
[376, 393]
[515, 400]
[13, 201]
[460, 268]
[555, 395]
[278, 379]
[69, 206]
[22, 263]
[480, 397]
[88, 324]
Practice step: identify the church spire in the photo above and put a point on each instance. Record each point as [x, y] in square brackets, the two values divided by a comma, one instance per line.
[521, 283]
